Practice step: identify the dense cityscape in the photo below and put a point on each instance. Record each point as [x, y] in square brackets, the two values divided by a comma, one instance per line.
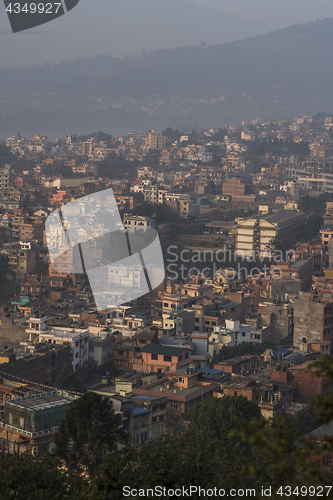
[238, 327]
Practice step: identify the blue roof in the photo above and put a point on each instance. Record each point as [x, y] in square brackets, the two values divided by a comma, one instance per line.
[210, 371]
[138, 411]
[281, 353]
[142, 396]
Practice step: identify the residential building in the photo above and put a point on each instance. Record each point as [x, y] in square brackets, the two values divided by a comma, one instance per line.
[307, 386]
[76, 338]
[133, 222]
[155, 141]
[260, 234]
[184, 389]
[232, 334]
[4, 176]
[313, 323]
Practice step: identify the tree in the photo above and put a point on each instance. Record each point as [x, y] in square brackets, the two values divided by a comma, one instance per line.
[282, 457]
[90, 427]
[27, 477]
[172, 134]
[170, 464]
[214, 418]
[69, 380]
[5, 154]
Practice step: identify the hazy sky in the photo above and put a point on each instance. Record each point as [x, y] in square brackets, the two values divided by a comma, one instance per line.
[280, 13]
[127, 27]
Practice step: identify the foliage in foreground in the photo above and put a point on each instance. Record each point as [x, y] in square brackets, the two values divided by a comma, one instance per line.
[227, 446]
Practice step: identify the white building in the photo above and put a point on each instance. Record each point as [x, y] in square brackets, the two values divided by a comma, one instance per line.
[76, 338]
[132, 222]
[150, 194]
[234, 333]
[173, 322]
[248, 135]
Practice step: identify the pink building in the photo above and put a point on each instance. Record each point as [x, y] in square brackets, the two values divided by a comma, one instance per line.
[162, 358]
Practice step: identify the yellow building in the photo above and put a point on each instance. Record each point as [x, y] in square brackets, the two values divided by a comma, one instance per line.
[326, 235]
[226, 279]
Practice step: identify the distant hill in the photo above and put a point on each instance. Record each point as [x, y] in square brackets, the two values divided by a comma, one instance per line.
[120, 27]
[281, 74]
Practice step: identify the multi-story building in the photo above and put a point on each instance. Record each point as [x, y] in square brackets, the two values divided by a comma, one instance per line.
[4, 176]
[163, 358]
[307, 386]
[22, 257]
[235, 187]
[155, 141]
[30, 422]
[26, 228]
[232, 334]
[101, 346]
[133, 222]
[148, 417]
[150, 194]
[301, 269]
[256, 235]
[313, 323]
[183, 389]
[76, 338]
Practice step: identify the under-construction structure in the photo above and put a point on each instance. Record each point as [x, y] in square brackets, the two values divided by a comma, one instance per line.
[29, 423]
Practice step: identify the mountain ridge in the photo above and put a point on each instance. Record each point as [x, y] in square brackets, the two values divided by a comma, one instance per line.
[120, 27]
[280, 74]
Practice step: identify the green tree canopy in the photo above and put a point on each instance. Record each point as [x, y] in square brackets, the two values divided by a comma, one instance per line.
[68, 380]
[26, 477]
[214, 418]
[89, 428]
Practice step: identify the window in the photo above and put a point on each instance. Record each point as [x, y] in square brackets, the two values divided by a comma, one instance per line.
[180, 380]
[162, 407]
[167, 358]
[180, 358]
[154, 356]
[206, 322]
[174, 406]
[77, 343]
[327, 460]
[197, 320]
[161, 418]
[165, 304]
[243, 334]
[186, 355]
[120, 353]
[143, 437]
[154, 420]
[77, 355]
